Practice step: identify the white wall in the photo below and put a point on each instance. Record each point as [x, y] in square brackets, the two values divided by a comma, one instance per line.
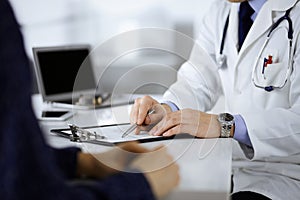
[53, 22]
[62, 22]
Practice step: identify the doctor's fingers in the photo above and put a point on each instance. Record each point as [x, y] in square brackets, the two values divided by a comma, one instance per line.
[149, 123]
[140, 110]
[169, 121]
[183, 121]
[135, 111]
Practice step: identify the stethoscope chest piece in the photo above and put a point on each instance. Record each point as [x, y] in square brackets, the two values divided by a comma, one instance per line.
[221, 60]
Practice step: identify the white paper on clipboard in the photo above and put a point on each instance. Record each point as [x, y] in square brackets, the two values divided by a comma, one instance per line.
[113, 134]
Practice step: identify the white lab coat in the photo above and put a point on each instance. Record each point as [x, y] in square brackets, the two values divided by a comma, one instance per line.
[272, 166]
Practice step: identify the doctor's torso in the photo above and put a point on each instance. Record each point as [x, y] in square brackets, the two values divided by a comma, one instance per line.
[272, 117]
[240, 68]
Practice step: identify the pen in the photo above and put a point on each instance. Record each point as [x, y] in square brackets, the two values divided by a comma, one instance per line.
[264, 65]
[134, 126]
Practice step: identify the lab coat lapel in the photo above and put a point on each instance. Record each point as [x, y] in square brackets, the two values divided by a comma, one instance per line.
[280, 5]
[261, 24]
[233, 30]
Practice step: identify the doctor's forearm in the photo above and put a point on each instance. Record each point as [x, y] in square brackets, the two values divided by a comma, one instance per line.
[240, 134]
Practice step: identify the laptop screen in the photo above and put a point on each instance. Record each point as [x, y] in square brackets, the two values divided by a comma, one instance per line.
[58, 69]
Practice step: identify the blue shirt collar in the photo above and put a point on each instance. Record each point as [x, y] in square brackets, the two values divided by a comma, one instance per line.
[256, 5]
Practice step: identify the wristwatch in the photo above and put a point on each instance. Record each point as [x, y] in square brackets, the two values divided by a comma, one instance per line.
[226, 121]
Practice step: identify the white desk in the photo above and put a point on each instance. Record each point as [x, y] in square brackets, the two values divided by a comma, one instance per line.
[205, 164]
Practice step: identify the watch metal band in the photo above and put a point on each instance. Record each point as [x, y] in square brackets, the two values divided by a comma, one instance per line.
[226, 121]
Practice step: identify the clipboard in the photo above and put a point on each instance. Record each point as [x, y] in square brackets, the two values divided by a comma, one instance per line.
[107, 135]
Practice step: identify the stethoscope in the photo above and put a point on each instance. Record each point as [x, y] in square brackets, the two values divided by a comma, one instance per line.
[221, 59]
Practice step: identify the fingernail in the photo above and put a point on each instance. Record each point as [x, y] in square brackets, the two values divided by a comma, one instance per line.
[156, 133]
[139, 122]
[166, 134]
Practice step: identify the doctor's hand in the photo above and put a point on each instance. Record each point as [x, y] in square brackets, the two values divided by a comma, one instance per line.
[139, 113]
[193, 122]
[108, 163]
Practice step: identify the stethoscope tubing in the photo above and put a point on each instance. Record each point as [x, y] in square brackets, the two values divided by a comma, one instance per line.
[274, 26]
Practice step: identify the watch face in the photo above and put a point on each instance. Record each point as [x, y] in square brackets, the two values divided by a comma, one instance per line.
[228, 117]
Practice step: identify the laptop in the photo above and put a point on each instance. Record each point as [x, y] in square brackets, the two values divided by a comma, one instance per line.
[64, 74]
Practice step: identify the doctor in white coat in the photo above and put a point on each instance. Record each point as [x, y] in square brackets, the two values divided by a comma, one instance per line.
[260, 80]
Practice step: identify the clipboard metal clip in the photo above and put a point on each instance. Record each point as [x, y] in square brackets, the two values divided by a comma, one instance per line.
[81, 135]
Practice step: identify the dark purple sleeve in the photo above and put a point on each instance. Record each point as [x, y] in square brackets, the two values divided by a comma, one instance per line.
[29, 169]
[122, 186]
[66, 160]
